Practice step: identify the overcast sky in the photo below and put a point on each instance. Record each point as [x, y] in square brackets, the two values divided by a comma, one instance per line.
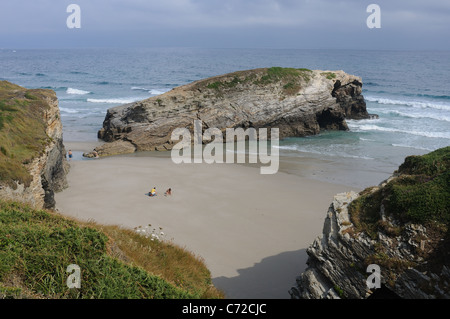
[308, 24]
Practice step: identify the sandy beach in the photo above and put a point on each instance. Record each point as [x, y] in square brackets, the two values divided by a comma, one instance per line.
[252, 230]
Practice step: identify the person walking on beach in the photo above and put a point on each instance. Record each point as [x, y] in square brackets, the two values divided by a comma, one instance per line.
[70, 155]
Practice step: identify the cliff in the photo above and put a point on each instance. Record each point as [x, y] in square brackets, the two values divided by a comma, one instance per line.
[299, 102]
[37, 246]
[32, 157]
[402, 226]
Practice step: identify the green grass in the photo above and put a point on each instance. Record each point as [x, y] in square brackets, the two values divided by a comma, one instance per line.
[275, 74]
[365, 213]
[22, 130]
[30, 96]
[431, 164]
[171, 262]
[291, 88]
[420, 198]
[217, 85]
[419, 194]
[329, 75]
[36, 247]
[339, 291]
[290, 78]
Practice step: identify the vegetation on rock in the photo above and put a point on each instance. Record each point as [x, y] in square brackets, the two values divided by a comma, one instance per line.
[415, 201]
[37, 246]
[290, 78]
[329, 75]
[22, 131]
[419, 193]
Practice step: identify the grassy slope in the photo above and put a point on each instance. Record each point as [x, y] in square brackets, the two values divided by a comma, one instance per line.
[291, 79]
[420, 194]
[22, 130]
[37, 246]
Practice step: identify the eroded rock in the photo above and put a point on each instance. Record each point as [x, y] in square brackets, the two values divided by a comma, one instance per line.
[299, 102]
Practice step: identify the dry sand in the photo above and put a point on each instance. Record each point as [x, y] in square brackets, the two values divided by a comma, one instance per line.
[252, 230]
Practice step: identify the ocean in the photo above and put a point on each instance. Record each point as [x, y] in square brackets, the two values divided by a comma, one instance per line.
[409, 90]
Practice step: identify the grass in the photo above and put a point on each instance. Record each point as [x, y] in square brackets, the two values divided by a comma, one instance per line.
[285, 75]
[420, 199]
[291, 88]
[421, 193]
[418, 194]
[365, 213]
[290, 78]
[22, 131]
[433, 163]
[36, 247]
[175, 264]
[329, 75]
[225, 84]
[339, 291]
[391, 266]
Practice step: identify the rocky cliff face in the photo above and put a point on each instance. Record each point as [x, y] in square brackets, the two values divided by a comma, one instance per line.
[34, 120]
[402, 226]
[299, 102]
[52, 166]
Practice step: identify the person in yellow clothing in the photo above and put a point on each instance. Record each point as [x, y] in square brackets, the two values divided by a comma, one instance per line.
[153, 191]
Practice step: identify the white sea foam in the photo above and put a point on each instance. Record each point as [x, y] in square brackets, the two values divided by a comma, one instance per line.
[287, 147]
[424, 115]
[158, 91]
[365, 128]
[418, 104]
[137, 88]
[412, 146]
[76, 91]
[67, 110]
[151, 91]
[115, 100]
[326, 152]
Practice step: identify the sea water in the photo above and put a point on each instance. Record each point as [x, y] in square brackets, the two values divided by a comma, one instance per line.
[409, 90]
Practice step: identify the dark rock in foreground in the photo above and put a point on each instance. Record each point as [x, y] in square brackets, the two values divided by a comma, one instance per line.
[402, 226]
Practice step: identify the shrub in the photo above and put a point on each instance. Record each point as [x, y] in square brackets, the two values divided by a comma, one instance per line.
[37, 246]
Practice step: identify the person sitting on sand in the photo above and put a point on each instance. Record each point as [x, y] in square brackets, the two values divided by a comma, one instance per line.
[168, 192]
[153, 192]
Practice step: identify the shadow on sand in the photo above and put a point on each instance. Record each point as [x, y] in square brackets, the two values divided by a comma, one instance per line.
[271, 278]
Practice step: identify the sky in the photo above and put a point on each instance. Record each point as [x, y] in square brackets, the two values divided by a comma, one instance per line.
[284, 24]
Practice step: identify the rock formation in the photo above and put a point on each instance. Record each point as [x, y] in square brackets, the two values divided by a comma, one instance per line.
[32, 161]
[402, 226]
[299, 102]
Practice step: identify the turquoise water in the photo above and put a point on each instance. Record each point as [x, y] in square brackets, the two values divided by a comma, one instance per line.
[409, 90]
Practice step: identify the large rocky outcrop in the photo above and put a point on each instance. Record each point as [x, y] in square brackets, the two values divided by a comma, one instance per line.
[34, 120]
[402, 226]
[299, 102]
